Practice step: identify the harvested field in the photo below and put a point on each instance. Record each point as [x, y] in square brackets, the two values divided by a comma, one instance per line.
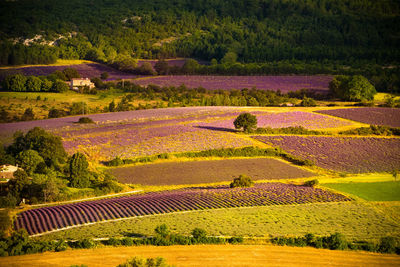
[208, 171]
[347, 154]
[283, 83]
[375, 116]
[207, 255]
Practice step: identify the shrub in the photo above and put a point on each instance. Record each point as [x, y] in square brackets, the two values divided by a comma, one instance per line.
[311, 183]
[199, 234]
[150, 262]
[162, 230]
[104, 75]
[85, 120]
[308, 102]
[246, 121]
[387, 245]
[242, 181]
[336, 241]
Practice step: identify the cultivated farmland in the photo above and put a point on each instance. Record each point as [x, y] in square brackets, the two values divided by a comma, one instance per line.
[209, 171]
[51, 218]
[372, 222]
[283, 83]
[375, 116]
[89, 70]
[347, 154]
[283, 119]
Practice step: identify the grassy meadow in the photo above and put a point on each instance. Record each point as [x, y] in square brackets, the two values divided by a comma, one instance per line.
[373, 191]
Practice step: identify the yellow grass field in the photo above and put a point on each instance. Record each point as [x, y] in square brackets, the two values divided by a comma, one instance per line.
[59, 62]
[208, 255]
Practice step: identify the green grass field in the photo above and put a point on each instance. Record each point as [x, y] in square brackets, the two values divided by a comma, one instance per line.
[357, 221]
[376, 191]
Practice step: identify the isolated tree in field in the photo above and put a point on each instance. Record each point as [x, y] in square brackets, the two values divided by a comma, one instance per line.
[242, 181]
[246, 121]
[355, 88]
[78, 171]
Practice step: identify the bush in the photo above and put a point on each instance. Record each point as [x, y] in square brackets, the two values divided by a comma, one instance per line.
[56, 113]
[246, 121]
[150, 262]
[242, 181]
[308, 102]
[85, 120]
[336, 241]
[387, 245]
[199, 234]
[311, 183]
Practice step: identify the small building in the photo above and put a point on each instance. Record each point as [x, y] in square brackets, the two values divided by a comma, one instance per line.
[7, 172]
[77, 83]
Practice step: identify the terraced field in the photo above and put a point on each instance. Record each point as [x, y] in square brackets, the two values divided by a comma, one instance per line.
[208, 171]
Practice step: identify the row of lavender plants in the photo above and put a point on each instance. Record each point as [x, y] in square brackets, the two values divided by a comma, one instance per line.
[51, 218]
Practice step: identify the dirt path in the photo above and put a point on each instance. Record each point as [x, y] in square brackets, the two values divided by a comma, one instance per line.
[207, 255]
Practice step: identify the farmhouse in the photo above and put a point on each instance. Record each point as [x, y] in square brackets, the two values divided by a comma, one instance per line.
[76, 83]
[7, 172]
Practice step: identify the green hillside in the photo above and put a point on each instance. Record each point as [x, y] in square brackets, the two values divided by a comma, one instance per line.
[254, 30]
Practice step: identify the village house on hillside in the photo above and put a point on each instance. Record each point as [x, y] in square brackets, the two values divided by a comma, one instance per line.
[76, 83]
[7, 172]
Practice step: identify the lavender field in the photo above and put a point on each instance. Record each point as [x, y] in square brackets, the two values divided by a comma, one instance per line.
[283, 83]
[284, 119]
[149, 132]
[347, 154]
[46, 219]
[375, 116]
[88, 70]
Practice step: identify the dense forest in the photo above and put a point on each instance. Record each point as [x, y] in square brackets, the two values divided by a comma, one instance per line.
[340, 31]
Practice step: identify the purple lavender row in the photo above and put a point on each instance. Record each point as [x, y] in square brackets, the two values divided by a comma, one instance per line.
[348, 154]
[51, 218]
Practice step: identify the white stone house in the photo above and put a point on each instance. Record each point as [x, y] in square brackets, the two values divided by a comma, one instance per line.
[77, 83]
